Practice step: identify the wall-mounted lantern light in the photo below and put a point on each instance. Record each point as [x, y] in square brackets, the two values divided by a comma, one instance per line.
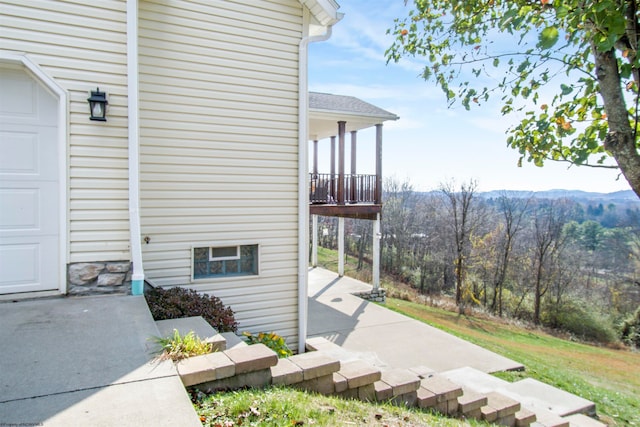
[98, 105]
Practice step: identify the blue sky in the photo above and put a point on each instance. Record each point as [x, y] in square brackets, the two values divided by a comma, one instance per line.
[431, 143]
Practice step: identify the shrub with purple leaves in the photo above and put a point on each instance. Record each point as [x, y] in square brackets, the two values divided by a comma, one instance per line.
[180, 302]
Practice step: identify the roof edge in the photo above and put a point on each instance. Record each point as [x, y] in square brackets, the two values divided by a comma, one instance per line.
[325, 11]
[338, 113]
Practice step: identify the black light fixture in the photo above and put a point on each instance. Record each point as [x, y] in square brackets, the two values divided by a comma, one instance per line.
[98, 105]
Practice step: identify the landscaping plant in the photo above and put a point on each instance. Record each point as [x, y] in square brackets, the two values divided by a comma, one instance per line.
[181, 302]
[180, 347]
[272, 340]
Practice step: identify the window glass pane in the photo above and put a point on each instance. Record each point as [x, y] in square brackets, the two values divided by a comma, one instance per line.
[232, 267]
[216, 268]
[224, 252]
[200, 254]
[246, 264]
[200, 269]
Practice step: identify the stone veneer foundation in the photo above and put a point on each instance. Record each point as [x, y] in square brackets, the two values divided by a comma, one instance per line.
[90, 278]
[374, 295]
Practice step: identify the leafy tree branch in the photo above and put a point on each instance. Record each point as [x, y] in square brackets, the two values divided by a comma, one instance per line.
[591, 119]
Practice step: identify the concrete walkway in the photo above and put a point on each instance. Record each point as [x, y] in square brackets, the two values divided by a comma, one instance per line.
[86, 361]
[383, 337]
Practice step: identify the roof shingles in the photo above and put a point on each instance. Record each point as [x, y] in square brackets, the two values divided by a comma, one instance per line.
[347, 104]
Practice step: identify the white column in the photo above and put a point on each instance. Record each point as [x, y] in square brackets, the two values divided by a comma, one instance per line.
[314, 240]
[377, 236]
[340, 246]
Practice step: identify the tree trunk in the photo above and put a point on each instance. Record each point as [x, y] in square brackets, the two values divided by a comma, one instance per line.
[538, 294]
[621, 139]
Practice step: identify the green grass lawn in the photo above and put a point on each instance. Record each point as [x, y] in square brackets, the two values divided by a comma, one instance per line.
[608, 377]
[279, 407]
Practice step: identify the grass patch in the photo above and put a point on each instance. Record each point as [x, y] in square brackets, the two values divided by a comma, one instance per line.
[608, 377]
[279, 406]
[178, 347]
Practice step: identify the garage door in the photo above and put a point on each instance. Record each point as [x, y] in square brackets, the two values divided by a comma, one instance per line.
[29, 198]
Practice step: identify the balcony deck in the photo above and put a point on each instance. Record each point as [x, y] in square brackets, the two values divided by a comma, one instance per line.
[349, 196]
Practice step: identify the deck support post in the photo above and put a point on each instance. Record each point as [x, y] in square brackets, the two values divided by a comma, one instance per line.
[353, 184]
[340, 246]
[341, 143]
[378, 196]
[375, 267]
[315, 157]
[314, 240]
[332, 185]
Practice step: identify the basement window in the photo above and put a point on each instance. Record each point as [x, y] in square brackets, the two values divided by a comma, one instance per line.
[225, 261]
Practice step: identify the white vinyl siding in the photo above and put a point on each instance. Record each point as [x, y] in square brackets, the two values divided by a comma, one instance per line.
[82, 45]
[219, 148]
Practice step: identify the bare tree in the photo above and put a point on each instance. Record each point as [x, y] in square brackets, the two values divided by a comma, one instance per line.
[464, 217]
[429, 246]
[548, 240]
[397, 224]
[512, 210]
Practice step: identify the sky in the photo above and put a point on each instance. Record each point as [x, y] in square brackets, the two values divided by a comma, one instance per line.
[431, 143]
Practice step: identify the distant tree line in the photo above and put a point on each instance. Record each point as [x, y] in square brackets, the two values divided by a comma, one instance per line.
[554, 262]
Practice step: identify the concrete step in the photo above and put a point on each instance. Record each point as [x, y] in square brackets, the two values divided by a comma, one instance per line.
[525, 418]
[358, 373]
[500, 409]
[232, 340]
[546, 418]
[444, 392]
[476, 380]
[534, 394]
[581, 420]
[471, 403]
[340, 353]
[316, 364]
[400, 381]
[195, 324]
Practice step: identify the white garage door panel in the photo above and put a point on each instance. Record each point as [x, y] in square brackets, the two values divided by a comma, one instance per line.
[24, 212]
[29, 185]
[25, 265]
[28, 211]
[28, 155]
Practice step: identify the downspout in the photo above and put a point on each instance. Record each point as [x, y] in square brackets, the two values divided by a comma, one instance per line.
[303, 176]
[137, 279]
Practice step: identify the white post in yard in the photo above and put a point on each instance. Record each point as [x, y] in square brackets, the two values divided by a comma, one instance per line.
[340, 246]
[377, 236]
[314, 240]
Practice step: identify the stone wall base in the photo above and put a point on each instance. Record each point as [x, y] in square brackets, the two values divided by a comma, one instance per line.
[375, 295]
[91, 278]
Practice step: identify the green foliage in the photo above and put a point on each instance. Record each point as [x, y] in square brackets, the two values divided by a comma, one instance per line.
[590, 234]
[465, 45]
[280, 406]
[630, 330]
[180, 347]
[580, 321]
[272, 340]
[181, 302]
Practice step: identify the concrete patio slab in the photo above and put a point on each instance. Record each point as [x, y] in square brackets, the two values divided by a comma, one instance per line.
[86, 361]
[383, 337]
[475, 379]
[534, 394]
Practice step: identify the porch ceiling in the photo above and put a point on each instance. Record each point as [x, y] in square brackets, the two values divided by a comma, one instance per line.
[325, 110]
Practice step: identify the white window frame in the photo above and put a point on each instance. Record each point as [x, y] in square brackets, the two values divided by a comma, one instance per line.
[225, 277]
[225, 258]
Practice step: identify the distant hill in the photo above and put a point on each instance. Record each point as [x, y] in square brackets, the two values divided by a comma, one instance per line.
[626, 196]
